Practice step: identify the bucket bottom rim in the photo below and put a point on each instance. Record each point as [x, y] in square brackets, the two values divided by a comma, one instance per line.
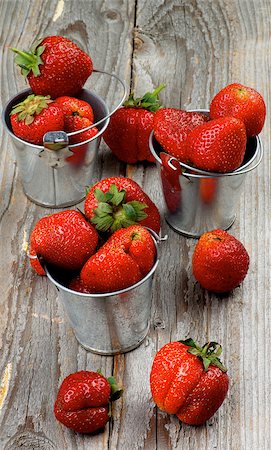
[114, 352]
[192, 235]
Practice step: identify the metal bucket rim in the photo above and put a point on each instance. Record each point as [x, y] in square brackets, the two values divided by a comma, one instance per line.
[107, 294]
[41, 147]
[204, 174]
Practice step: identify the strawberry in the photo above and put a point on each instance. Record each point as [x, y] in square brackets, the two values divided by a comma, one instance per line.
[218, 145]
[243, 103]
[36, 263]
[220, 262]
[127, 134]
[54, 66]
[118, 202]
[78, 114]
[64, 239]
[35, 116]
[76, 284]
[82, 402]
[122, 261]
[172, 126]
[171, 182]
[189, 381]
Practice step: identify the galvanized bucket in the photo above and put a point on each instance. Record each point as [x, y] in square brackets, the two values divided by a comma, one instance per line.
[111, 323]
[56, 175]
[198, 201]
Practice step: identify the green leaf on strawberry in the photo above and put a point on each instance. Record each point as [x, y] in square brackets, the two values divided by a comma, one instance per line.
[209, 353]
[112, 211]
[149, 101]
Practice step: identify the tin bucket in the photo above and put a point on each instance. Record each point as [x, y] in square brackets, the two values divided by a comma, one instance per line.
[56, 175]
[111, 323]
[198, 201]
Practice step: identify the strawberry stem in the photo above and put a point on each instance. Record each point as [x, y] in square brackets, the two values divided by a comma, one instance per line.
[31, 60]
[113, 212]
[209, 353]
[149, 101]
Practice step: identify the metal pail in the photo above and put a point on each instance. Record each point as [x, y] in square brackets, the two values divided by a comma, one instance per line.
[56, 177]
[198, 201]
[111, 323]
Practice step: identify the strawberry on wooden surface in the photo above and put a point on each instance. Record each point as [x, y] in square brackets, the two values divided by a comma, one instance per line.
[35, 116]
[82, 402]
[127, 134]
[172, 126]
[242, 102]
[189, 381]
[118, 202]
[122, 261]
[220, 262]
[54, 66]
[64, 239]
[218, 145]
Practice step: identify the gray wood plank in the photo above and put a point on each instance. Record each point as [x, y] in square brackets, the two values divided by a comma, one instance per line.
[37, 343]
[196, 48]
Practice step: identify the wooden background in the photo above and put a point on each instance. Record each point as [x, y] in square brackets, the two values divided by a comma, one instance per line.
[196, 47]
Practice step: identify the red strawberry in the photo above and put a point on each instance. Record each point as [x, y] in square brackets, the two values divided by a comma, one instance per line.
[189, 381]
[220, 262]
[218, 145]
[54, 66]
[172, 126]
[122, 261]
[36, 263]
[65, 239]
[118, 202]
[170, 178]
[76, 284]
[127, 134]
[82, 402]
[78, 114]
[35, 116]
[243, 103]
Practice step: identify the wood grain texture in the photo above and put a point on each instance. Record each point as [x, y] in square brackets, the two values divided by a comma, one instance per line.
[195, 47]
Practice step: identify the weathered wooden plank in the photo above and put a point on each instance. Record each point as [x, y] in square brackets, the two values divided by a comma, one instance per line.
[196, 48]
[37, 342]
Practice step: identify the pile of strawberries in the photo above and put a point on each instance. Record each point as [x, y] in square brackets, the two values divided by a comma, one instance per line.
[56, 70]
[109, 247]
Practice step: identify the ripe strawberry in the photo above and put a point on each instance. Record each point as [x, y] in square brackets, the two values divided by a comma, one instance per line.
[172, 126]
[218, 145]
[220, 262]
[82, 402]
[122, 261]
[35, 116]
[36, 263]
[119, 202]
[171, 182]
[65, 239]
[243, 103]
[127, 134]
[78, 114]
[76, 284]
[189, 380]
[54, 66]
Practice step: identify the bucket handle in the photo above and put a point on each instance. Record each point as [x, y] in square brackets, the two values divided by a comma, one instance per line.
[215, 174]
[109, 114]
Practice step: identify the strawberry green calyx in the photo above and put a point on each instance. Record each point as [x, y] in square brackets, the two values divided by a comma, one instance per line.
[149, 101]
[32, 106]
[209, 353]
[31, 60]
[116, 391]
[113, 212]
